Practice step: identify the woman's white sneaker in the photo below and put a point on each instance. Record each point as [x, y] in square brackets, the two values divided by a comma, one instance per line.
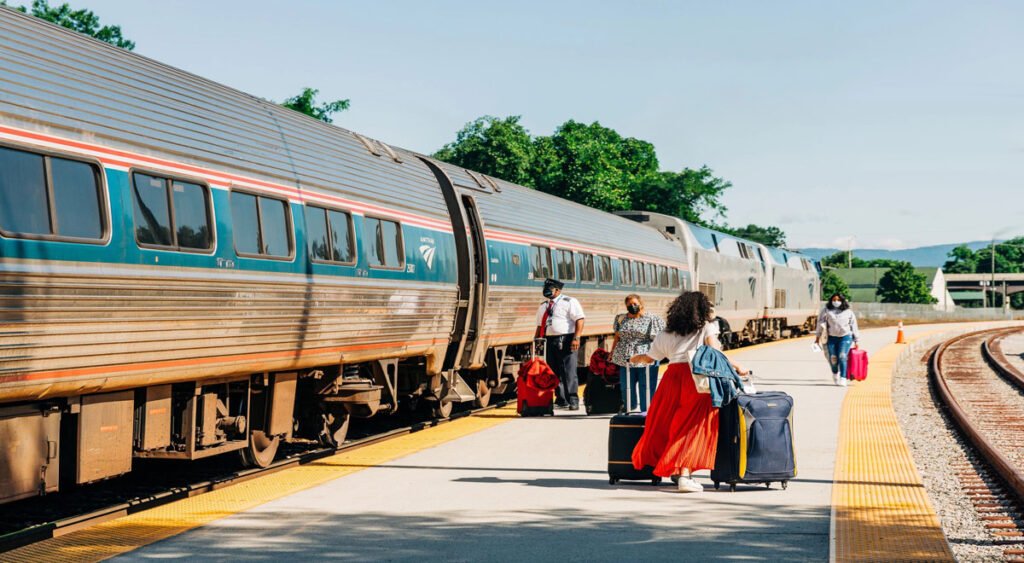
[843, 382]
[835, 378]
[687, 485]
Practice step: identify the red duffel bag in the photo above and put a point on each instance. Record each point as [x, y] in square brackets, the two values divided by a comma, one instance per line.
[535, 388]
[601, 365]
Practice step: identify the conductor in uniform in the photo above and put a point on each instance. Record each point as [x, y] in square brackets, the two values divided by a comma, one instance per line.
[560, 323]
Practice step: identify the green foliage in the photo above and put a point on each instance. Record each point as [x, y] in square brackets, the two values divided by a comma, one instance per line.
[497, 147]
[832, 284]
[903, 284]
[768, 236]
[692, 195]
[590, 164]
[82, 21]
[842, 260]
[306, 103]
[593, 165]
[962, 261]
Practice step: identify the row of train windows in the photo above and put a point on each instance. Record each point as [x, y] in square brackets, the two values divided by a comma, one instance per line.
[563, 264]
[43, 196]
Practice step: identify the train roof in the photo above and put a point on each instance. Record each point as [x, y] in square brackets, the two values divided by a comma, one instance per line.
[71, 85]
[64, 83]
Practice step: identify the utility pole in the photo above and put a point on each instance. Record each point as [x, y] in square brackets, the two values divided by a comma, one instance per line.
[849, 253]
[992, 284]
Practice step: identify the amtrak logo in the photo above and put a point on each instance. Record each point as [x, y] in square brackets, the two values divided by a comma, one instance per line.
[427, 251]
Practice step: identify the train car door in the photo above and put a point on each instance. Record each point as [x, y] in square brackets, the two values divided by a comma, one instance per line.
[471, 255]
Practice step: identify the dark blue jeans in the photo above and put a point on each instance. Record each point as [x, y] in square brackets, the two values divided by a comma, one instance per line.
[838, 351]
[646, 378]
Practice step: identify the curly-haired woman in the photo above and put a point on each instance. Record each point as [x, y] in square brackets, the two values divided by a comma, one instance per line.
[681, 433]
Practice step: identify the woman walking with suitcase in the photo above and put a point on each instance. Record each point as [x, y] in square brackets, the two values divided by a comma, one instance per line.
[634, 332]
[681, 434]
[840, 324]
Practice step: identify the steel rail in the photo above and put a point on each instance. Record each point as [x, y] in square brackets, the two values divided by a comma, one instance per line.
[1011, 474]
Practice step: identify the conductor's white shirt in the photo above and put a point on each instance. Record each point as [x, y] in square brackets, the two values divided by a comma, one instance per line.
[564, 314]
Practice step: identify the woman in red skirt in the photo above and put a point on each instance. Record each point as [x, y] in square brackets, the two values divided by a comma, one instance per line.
[681, 433]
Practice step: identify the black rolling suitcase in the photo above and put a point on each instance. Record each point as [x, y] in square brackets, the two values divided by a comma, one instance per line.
[755, 441]
[624, 432]
[600, 397]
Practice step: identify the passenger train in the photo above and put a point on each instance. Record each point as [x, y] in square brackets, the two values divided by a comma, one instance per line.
[187, 270]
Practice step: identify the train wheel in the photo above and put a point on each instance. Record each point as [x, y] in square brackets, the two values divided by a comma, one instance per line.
[442, 409]
[483, 393]
[261, 449]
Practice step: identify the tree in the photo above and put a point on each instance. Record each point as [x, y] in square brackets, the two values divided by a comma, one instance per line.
[692, 195]
[82, 21]
[593, 165]
[768, 236]
[841, 259]
[962, 261]
[306, 103]
[832, 284]
[903, 284]
[498, 147]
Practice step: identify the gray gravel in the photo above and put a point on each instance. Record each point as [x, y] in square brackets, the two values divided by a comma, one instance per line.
[936, 448]
[1013, 348]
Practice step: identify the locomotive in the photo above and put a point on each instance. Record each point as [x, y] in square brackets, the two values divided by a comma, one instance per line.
[189, 271]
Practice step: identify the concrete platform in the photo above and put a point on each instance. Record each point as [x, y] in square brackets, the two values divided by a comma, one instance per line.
[537, 489]
[502, 488]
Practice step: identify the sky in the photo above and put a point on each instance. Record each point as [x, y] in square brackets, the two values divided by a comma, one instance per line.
[871, 124]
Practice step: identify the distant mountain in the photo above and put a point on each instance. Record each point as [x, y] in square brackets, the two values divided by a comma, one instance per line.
[925, 256]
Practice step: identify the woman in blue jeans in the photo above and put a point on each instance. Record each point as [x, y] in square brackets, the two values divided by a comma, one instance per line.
[841, 326]
[634, 332]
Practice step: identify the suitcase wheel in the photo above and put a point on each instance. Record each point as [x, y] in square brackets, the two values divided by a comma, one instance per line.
[784, 483]
[768, 485]
[656, 481]
[732, 487]
[716, 485]
[612, 481]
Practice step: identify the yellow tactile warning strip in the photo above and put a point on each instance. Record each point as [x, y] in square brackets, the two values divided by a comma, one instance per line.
[882, 511]
[132, 532]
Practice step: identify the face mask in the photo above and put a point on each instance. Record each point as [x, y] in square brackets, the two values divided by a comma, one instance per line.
[837, 304]
[548, 292]
[633, 309]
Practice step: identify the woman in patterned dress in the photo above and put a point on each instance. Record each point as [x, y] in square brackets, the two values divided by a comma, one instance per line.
[634, 332]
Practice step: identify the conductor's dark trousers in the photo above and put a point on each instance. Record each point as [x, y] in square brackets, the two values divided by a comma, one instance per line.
[563, 361]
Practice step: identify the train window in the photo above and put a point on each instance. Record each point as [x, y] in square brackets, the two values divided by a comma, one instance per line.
[48, 196]
[673, 276]
[652, 275]
[587, 267]
[385, 240]
[743, 249]
[710, 290]
[604, 270]
[627, 271]
[171, 213]
[329, 234]
[261, 225]
[540, 261]
[190, 215]
[566, 266]
[663, 276]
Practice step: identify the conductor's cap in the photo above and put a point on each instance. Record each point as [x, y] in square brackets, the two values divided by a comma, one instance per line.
[553, 283]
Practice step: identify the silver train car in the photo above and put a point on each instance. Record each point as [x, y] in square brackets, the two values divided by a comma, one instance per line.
[762, 293]
[188, 270]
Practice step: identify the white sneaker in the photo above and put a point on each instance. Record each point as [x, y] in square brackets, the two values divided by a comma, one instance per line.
[688, 485]
[835, 378]
[843, 382]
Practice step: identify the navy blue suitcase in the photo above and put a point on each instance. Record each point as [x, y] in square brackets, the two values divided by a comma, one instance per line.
[755, 441]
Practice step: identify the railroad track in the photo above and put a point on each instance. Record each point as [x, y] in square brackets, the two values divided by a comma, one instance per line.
[205, 480]
[984, 395]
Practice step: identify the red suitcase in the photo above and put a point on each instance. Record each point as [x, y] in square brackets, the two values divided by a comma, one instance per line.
[858, 365]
